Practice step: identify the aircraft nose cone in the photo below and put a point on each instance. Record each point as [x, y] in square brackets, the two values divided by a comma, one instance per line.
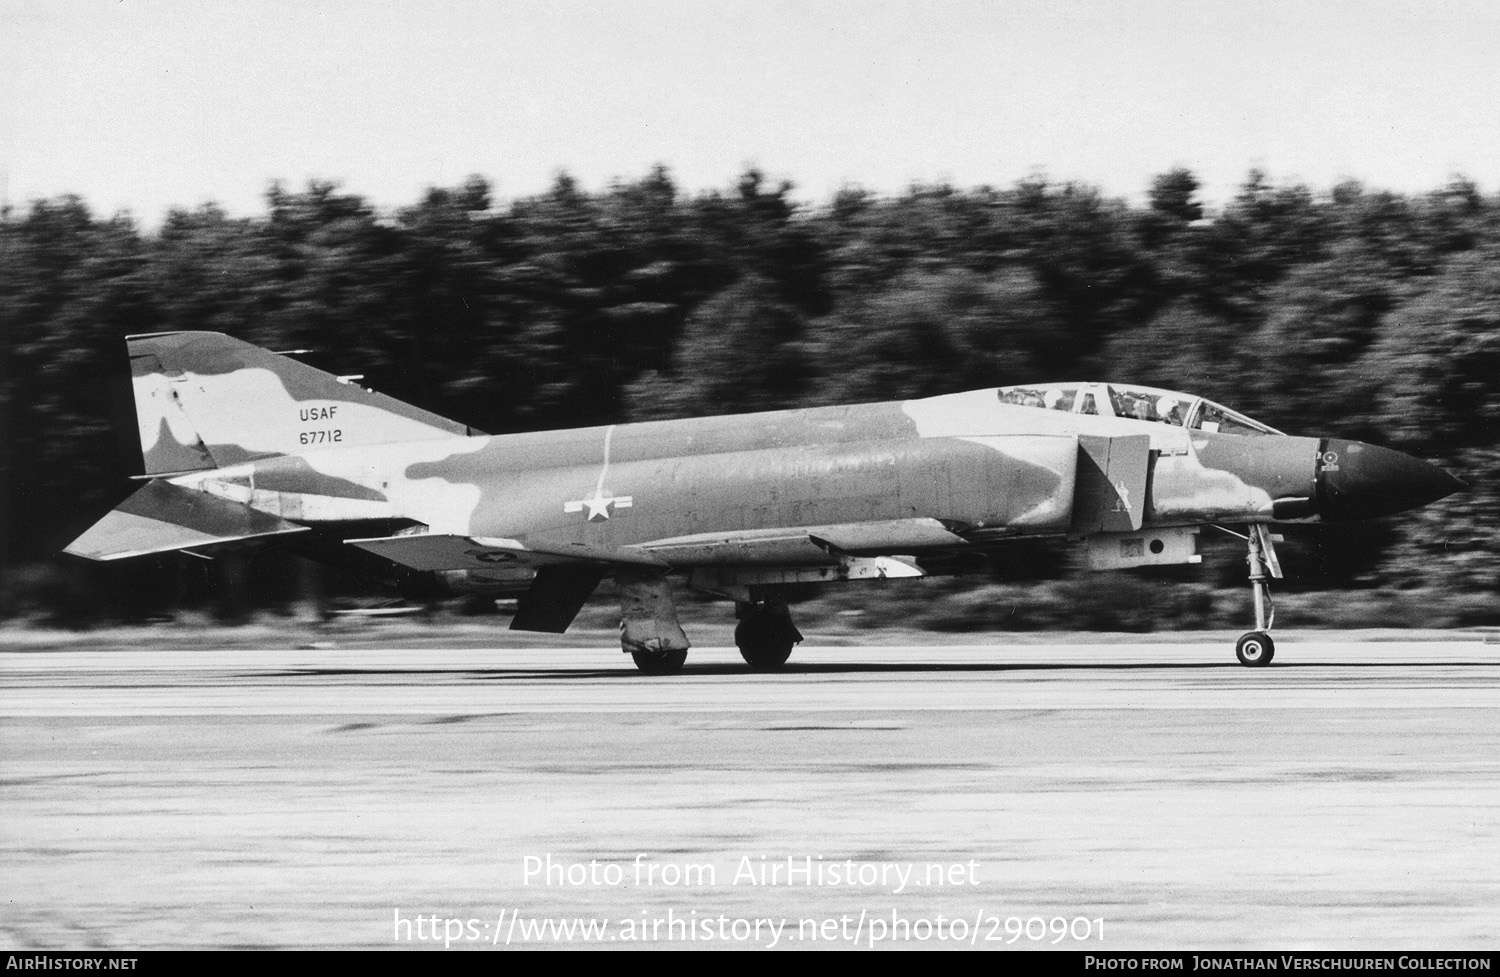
[1360, 481]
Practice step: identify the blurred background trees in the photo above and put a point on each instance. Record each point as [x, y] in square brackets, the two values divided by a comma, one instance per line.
[1358, 312]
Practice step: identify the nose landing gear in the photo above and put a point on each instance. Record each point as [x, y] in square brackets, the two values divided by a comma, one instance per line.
[1256, 648]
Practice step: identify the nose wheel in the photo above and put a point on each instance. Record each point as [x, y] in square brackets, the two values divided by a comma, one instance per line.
[1255, 648]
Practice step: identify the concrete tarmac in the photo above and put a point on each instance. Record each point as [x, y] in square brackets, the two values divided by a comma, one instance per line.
[1346, 797]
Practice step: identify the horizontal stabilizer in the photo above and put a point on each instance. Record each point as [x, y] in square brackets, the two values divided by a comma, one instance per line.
[161, 517]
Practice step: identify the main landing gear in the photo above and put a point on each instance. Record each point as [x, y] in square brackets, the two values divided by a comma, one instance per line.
[660, 662]
[651, 634]
[765, 634]
[648, 623]
[1255, 648]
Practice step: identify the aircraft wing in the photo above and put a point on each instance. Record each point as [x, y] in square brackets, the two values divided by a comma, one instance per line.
[161, 517]
[785, 547]
[805, 545]
[438, 551]
[566, 574]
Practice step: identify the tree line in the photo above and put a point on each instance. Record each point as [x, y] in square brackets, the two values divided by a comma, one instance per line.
[1352, 311]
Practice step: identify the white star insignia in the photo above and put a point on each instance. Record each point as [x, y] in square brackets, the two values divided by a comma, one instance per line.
[598, 504]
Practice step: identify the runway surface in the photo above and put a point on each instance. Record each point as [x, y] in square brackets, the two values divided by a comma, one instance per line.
[1346, 797]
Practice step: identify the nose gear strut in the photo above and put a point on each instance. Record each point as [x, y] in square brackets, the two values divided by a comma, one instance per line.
[1256, 648]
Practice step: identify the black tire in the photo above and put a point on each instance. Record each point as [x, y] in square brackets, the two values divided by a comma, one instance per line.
[1255, 649]
[762, 642]
[659, 662]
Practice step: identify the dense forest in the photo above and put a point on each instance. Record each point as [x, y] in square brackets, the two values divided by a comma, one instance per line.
[1351, 311]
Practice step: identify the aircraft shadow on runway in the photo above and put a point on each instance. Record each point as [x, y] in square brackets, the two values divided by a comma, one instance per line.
[815, 668]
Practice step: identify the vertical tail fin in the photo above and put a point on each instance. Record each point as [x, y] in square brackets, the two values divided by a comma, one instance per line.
[205, 400]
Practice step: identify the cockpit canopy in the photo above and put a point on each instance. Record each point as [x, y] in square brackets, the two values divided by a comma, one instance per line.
[1135, 403]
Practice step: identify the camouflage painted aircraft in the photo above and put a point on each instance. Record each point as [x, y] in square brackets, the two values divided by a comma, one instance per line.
[244, 445]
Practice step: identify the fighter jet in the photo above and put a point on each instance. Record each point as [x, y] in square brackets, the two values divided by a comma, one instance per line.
[245, 446]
